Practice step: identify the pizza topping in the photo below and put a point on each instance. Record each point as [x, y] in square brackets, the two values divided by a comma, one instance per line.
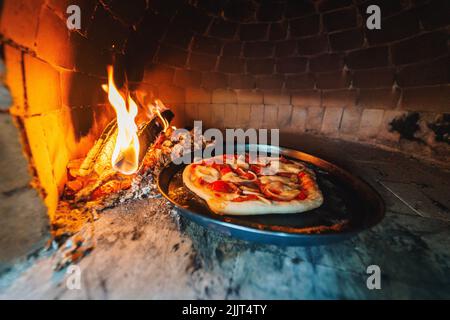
[225, 169]
[302, 195]
[255, 168]
[222, 186]
[268, 179]
[246, 177]
[249, 187]
[279, 191]
[249, 175]
[245, 198]
[241, 162]
[208, 174]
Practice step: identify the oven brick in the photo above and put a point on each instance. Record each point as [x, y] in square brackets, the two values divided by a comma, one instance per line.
[271, 11]
[295, 8]
[394, 28]
[172, 56]
[198, 95]
[270, 116]
[368, 58]
[300, 81]
[212, 7]
[257, 116]
[249, 96]
[331, 120]
[428, 99]
[207, 45]
[204, 111]
[14, 78]
[19, 21]
[88, 8]
[385, 133]
[231, 65]
[253, 31]
[41, 159]
[107, 32]
[328, 5]
[218, 111]
[158, 74]
[242, 81]
[298, 119]
[346, 40]
[191, 113]
[305, 26]
[291, 65]
[326, 62]
[88, 59]
[387, 7]
[270, 82]
[373, 78]
[171, 94]
[44, 95]
[339, 98]
[306, 98]
[230, 116]
[277, 98]
[130, 14]
[351, 118]
[243, 116]
[370, 124]
[379, 98]
[74, 85]
[232, 49]
[333, 80]
[260, 66]
[425, 46]
[185, 78]
[241, 11]
[340, 19]
[193, 18]
[428, 73]
[224, 96]
[278, 31]
[285, 48]
[314, 119]
[284, 116]
[434, 14]
[223, 29]
[214, 80]
[260, 49]
[202, 62]
[312, 45]
[52, 42]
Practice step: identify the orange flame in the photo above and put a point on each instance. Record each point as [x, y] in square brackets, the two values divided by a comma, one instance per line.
[125, 157]
[157, 108]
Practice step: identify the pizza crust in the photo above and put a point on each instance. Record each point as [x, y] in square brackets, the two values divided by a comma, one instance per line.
[224, 205]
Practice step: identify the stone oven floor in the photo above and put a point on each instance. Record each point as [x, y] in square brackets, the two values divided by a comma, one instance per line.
[144, 252]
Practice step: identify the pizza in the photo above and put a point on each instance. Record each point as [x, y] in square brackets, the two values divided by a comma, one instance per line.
[238, 185]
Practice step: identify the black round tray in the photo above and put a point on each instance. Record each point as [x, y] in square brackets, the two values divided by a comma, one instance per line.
[350, 206]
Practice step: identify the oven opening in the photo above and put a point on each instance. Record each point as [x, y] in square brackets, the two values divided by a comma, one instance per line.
[111, 112]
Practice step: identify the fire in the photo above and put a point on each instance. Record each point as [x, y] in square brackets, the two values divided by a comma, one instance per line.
[160, 107]
[125, 157]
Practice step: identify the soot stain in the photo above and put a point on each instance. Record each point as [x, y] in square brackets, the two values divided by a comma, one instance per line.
[407, 126]
[441, 128]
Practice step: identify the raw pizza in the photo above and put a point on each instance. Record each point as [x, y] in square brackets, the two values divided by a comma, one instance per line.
[234, 185]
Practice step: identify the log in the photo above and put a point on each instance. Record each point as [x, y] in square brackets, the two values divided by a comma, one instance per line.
[98, 158]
